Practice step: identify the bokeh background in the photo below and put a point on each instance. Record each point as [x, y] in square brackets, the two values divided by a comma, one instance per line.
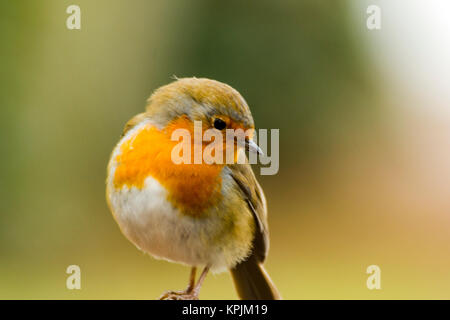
[364, 119]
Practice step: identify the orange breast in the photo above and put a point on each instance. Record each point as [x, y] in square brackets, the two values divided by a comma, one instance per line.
[192, 188]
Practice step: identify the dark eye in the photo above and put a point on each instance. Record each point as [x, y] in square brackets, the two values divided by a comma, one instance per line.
[219, 124]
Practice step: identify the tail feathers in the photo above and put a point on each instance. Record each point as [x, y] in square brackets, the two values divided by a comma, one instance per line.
[252, 281]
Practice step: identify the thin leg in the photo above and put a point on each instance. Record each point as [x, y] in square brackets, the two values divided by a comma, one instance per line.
[192, 291]
[198, 286]
[192, 280]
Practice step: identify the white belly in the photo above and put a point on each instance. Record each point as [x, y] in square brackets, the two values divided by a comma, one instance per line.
[148, 220]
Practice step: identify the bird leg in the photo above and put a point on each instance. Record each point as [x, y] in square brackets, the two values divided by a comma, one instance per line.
[191, 292]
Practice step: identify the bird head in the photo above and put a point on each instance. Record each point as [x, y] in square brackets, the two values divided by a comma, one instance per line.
[214, 104]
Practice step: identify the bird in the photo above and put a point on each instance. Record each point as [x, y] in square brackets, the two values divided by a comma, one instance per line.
[209, 215]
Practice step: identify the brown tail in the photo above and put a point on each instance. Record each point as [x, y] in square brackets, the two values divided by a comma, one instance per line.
[252, 281]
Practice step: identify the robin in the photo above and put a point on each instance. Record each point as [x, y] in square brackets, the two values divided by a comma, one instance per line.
[212, 215]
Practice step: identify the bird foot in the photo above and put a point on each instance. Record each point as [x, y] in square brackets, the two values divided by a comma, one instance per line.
[179, 295]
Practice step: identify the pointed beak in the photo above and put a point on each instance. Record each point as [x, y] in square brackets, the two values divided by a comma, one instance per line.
[252, 147]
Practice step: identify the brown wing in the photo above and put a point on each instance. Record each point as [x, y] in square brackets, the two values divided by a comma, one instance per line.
[133, 122]
[252, 192]
[249, 276]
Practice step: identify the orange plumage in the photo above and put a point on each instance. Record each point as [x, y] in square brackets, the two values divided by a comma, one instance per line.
[192, 187]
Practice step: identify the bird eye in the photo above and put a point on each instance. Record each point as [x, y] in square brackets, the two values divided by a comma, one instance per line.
[219, 124]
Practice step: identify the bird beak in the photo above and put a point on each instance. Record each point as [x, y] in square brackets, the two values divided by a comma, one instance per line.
[252, 147]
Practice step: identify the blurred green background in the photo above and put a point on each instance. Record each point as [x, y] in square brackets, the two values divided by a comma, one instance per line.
[363, 118]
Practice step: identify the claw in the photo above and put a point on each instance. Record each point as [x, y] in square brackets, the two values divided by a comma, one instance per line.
[179, 295]
[192, 291]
